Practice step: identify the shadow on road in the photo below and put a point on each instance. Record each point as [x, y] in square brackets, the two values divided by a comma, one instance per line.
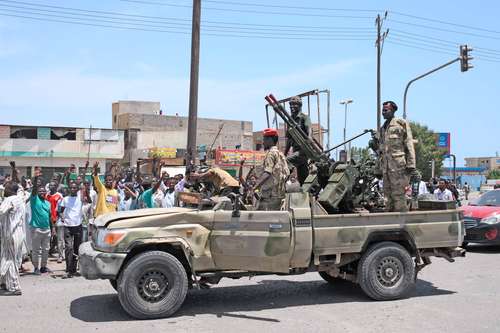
[479, 248]
[225, 301]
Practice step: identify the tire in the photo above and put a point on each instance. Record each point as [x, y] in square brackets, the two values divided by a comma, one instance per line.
[114, 284]
[330, 279]
[153, 285]
[386, 272]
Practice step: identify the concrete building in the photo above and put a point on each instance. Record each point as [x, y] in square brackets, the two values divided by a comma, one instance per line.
[55, 148]
[147, 130]
[488, 163]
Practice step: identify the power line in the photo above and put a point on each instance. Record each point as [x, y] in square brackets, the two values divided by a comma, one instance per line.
[182, 32]
[181, 19]
[486, 50]
[442, 29]
[444, 22]
[162, 23]
[431, 48]
[290, 7]
[247, 11]
[183, 28]
[441, 42]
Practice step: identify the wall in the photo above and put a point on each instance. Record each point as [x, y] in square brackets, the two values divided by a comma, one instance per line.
[132, 107]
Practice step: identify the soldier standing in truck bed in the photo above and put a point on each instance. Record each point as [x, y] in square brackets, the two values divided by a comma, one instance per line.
[298, 159]
[397, 157]
[275, 174]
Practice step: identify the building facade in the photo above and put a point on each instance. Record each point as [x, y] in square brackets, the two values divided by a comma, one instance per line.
[54, 149]
[488, 163]
[147, 130]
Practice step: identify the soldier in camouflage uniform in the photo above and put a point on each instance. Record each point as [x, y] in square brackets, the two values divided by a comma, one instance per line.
[275, 174]
[298, 159]
[397, 157]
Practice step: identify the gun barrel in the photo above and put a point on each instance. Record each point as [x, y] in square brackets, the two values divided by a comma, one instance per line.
[347, 141]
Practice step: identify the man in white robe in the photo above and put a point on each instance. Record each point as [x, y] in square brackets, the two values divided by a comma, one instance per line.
[12, 214]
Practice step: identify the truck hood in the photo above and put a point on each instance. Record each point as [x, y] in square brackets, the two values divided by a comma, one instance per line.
[105, 219]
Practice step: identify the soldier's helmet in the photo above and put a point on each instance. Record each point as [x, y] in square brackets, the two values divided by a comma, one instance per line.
[296, 100]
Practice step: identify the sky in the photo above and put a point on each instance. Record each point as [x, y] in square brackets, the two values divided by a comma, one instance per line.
[60, 74]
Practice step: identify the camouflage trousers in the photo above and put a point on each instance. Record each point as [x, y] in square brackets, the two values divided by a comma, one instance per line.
[299, 161]
[269, 204]
[395, 183]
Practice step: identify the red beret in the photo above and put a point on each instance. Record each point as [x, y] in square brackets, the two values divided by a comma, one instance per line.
[270, 132]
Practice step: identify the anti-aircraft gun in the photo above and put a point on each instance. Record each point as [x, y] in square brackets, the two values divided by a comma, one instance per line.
[340, 187]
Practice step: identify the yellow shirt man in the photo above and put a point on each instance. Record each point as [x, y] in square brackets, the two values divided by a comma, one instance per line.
[107, 198]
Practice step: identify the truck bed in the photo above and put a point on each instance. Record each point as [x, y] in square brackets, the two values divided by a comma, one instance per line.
[348, 233]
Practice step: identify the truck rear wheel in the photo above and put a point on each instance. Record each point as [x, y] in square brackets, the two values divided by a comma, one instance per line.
[152, 285]
[386, 272]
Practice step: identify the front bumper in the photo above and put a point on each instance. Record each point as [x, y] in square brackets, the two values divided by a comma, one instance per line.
[477, 234]
[99, 265]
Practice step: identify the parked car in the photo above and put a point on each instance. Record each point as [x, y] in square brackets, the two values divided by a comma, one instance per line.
[482, 219]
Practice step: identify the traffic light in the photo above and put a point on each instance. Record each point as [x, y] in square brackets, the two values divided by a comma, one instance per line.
[464, 58]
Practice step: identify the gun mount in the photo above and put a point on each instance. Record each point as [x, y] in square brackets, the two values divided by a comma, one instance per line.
[340, 187]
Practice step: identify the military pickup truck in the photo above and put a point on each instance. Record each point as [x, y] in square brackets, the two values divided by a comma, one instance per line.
[153, 256]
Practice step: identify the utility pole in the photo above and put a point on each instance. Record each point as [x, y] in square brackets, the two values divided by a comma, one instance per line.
[379, 43]
[193, 82]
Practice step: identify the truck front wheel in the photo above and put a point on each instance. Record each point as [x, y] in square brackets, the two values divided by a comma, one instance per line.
[386, 272]
[152, 285]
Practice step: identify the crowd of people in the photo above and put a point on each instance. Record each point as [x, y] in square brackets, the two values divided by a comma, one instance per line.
[41, 219]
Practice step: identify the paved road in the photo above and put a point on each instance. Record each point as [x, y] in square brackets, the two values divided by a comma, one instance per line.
[458, 297]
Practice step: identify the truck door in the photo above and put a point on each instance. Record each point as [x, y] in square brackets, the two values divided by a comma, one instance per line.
[255, 241]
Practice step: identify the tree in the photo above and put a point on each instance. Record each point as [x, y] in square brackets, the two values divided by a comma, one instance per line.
[494, 174]
[426, 150]
[358, 153]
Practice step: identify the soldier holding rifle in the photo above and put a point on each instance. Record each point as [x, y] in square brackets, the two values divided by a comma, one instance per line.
[273, 179]
[298, 158]
[397, 157]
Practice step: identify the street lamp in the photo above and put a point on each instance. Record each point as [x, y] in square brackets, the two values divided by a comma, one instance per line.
[345, 102]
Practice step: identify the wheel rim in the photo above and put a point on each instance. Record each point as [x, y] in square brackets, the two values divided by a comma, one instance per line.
[389, 271]
[153, 286]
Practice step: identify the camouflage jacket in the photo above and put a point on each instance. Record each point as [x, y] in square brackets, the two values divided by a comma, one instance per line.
[398, 152]
[304, 122]
[275, 164]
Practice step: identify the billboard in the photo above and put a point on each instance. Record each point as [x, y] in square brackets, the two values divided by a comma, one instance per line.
[443, 143]
[162, 152]
[232, 157]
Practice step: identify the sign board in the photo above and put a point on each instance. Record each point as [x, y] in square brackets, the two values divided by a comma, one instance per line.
[43, 133]
[232, 157]
[162, 152]
[443, 143]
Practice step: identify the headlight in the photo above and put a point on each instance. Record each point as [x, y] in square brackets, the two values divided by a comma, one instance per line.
[494, 219]
[108, 238]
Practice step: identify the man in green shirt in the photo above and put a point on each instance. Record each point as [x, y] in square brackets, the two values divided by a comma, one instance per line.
[40, 226]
